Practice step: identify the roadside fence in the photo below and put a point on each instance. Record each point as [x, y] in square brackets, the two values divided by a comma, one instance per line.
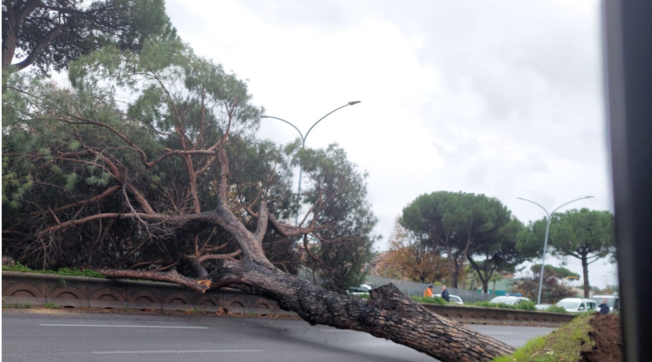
[416, 289]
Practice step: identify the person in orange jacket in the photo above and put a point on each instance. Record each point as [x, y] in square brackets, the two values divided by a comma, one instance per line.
[428, 292]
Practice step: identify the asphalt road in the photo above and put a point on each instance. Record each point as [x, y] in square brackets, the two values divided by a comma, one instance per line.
[84, 337]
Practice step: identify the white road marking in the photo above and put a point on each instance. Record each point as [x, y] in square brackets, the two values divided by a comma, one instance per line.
[119, 326]
[182, 351]
[335, 330]
[499, 333]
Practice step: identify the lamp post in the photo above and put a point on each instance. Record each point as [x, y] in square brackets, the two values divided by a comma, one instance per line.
[303, 139]
[545, 242]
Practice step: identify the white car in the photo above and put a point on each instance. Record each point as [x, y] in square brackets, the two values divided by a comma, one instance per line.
[508, 300]
[612, 300]
[363, 289]
[454, 298]
[577, 305]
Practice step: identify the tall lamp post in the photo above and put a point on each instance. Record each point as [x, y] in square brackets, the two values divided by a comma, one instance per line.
[303, 139]
[545, 242]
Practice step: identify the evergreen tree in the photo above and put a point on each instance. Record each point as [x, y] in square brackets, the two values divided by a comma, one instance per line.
[52, 33]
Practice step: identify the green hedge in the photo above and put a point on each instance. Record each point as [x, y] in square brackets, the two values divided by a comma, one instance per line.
[556, 309]
[63, 271]
[526, 305]
[433, 300]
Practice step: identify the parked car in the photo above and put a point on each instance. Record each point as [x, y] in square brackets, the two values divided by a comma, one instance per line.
[577, 305]
[612, 300]
[362, 289]
[508, 300]
[454, 298]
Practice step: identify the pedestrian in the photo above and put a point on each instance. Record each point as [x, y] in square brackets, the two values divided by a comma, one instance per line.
[604, 307]
[444, 294]
[428, 292]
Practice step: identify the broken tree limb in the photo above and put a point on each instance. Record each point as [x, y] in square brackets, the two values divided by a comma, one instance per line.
[171, 276]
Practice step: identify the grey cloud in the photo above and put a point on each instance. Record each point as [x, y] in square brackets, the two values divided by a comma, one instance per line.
[327, 15]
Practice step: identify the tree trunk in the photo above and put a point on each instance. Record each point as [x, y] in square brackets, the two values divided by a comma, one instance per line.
[485, 285]
[451, 273]
[585, 270]
[455, 274]
[387, 314]
[8, 42]
[455, 280]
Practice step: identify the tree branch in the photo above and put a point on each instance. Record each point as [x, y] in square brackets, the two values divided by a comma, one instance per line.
[208, 217]
[261, 224]
[200, 286]
[92, 200]
[230, 256]
[288, 230]
[26, 10]
[42, 44]
[143, 155]
[224, 174]
[141, 199]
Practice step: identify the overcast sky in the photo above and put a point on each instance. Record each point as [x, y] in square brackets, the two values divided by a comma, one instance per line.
[503, 98]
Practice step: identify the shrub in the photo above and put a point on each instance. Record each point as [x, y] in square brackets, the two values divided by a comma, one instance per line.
[51, 305]
[63, 271]
[526, 305]
[361, 296]
[18, 267]
[434, 300]
[556, 309]
[493, 305]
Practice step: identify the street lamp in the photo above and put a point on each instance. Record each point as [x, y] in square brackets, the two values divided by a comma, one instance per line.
[545, 243]
[303, 139]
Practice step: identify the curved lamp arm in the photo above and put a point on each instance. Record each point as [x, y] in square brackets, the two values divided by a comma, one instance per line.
[581, 198]
[544, 209]
[293, 126]
[329, 113]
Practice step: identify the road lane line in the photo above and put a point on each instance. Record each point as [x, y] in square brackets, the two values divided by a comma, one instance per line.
[182, 351]
[505, 333]
[119, 326]
[335, 330]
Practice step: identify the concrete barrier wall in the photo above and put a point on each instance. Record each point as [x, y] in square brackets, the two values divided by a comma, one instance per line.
[480, 315]
[68, 291]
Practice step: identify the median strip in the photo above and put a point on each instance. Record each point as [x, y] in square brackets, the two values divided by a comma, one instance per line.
[182, 351]
[119, 326]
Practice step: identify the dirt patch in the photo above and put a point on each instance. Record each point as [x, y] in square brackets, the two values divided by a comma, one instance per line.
[606, 333]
